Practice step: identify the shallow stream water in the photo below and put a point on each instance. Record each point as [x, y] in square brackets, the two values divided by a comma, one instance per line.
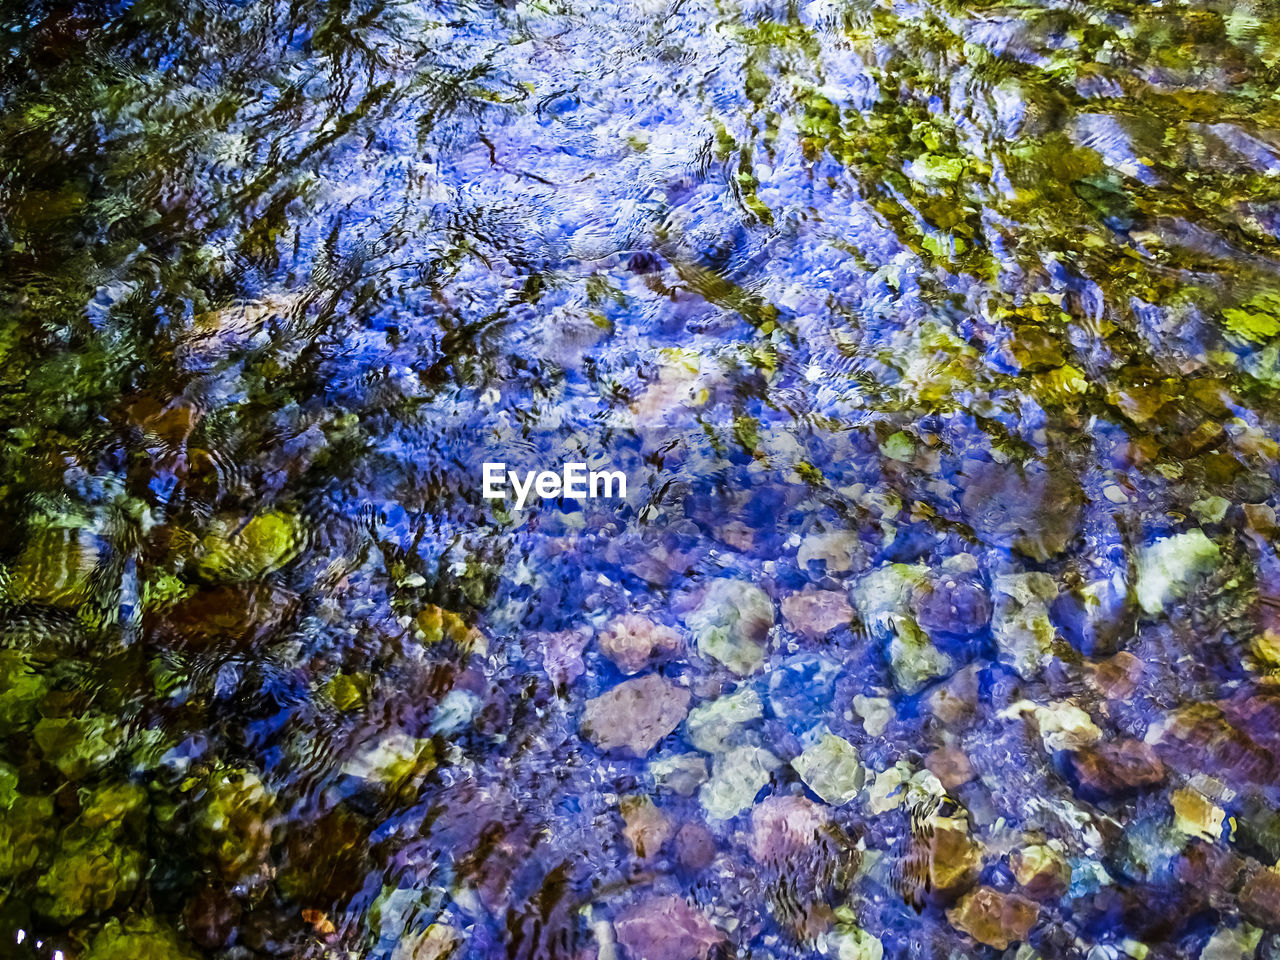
[939, 346]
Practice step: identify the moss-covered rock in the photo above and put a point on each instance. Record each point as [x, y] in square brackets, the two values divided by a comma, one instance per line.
[393, 760]
[732, 623]
[348, 692]
[1021, 625]
[78, 747]
[234, 819]
[25, 831]
[138, 938]
[262, 545]
[913, 658]
[21, 690]
[54, 568]
[714, 725]
[1256, 320]
[885, 593]
[8, 785]
[831, 769]
[90, 871]
[109, 806]
[736, 777]
[1168, 568]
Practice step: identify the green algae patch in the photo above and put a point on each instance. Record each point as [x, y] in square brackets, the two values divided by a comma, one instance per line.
[54, 568]
[261, 546]
[235, 818]
[109, 806]
[21, 691]
[1256, 320]
[25, 831]
[138, 938]
[78, 747]
[89, 872]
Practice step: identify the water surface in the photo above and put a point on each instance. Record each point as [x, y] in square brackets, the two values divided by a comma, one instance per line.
[939, 342]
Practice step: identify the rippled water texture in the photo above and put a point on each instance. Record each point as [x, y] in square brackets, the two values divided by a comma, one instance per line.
[939, 344]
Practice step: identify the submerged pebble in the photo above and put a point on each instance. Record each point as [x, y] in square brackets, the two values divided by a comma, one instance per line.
[635, 715]
[731, 624]
[666, 928]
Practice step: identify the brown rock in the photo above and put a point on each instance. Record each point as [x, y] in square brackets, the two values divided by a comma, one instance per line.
[784, 827]
[493, 865]
[950, 765]
[810, 920]
[1138, 403]
[665, 928]
[994, 918]
[438, 942]
[211, 918]
[955, 861]
[1033, 510]
[233, 615]
[646, 827]
[738, 535]
[695, 846]
[1188, 443]
[940, 862]
[329, 871]
[954, 702]
[1041, 870]
[1033, 348]
[1261, 518]
[1210, 873]
[815, 613]
[1260, 897]
[1115, 766]
[171, 424]
[1116, 678]
[635, 714]
[1237, 740]
[634, 642]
